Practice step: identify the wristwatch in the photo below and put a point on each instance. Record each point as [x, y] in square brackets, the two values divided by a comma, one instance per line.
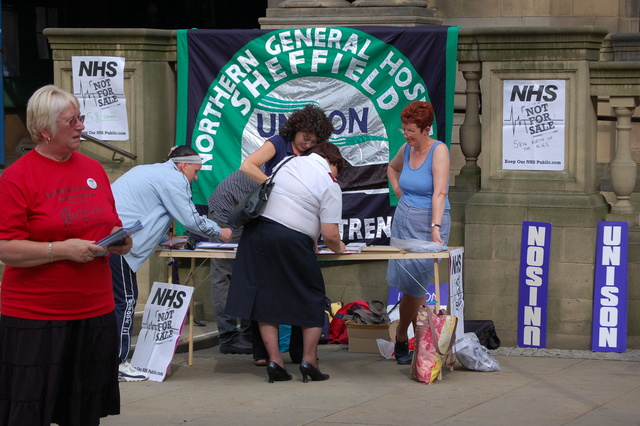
[433, 225]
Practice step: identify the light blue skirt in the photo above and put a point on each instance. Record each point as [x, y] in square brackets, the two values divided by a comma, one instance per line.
[411, 276]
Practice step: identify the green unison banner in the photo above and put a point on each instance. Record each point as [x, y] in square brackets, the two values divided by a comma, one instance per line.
[237, 87]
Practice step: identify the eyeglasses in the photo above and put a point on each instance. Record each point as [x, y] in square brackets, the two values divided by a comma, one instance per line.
[403, 131]
[73, 121]
[308, 139]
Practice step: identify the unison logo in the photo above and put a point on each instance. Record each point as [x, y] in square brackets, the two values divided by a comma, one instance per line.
[349, 122]
[534, 284]
[609, 332]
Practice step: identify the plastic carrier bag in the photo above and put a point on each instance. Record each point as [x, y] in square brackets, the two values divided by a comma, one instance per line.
[435, 334]
[473, 356]
[415, 245]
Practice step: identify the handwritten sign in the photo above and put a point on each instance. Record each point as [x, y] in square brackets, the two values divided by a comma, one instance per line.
[98, 83]
[162, 322]
[457, 295]
[533, 122]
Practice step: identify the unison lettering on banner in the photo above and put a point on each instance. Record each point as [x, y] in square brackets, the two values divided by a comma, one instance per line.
[162, 322]
[609, 331]
[534, 285]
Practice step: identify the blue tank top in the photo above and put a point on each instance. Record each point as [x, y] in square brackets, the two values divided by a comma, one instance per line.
[417, 184]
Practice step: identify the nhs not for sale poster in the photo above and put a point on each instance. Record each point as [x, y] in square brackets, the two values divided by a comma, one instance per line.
[164, 315]
[533, 125]
[98, 83]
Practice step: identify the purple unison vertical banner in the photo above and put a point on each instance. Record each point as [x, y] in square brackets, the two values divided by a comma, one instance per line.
[534, 285]
[609, 331]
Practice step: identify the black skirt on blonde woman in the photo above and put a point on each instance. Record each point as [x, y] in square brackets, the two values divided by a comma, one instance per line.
[46, 362]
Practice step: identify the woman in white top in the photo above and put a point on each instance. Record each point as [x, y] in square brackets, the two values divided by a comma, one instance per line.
[277, 279]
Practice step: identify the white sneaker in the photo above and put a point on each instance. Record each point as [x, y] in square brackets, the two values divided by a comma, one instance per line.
[127, 373]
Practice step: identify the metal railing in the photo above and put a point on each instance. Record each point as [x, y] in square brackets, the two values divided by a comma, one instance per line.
[110, 147]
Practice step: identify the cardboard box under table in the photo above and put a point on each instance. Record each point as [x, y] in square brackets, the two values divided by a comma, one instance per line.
[362, 337]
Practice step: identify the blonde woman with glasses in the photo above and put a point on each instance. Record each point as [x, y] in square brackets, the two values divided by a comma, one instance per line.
[58, 352]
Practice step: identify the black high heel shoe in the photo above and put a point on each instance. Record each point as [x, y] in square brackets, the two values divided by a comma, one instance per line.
[307, 369]
[277, 373]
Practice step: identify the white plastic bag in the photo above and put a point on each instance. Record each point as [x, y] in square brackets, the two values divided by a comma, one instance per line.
[385, 347]
[473, 356]
[415, 245]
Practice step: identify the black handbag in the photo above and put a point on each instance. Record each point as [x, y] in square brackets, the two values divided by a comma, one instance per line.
[254, 202]
[486, 332]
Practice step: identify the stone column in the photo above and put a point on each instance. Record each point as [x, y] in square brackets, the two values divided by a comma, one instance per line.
[467, 182]
[620, 82]
[623, 169]
[471, 128]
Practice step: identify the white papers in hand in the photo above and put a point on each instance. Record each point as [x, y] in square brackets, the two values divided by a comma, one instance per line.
[118, 236]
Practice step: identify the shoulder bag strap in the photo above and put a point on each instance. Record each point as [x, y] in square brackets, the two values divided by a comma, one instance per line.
[434, 336]
[273, 174]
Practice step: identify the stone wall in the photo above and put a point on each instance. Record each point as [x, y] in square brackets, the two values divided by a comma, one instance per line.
[618, 16]
[569, 200]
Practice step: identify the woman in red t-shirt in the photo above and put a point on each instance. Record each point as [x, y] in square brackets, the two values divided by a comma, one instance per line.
[56, 287]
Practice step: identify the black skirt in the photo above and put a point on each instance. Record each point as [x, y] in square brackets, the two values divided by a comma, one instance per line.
[63, 372]
[276, 277]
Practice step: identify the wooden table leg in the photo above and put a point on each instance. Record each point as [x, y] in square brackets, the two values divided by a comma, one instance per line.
[190, 277]
[436, 282]
[436, 285]
[191, 307]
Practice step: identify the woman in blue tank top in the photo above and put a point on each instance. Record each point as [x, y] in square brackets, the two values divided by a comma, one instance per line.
[419, 176]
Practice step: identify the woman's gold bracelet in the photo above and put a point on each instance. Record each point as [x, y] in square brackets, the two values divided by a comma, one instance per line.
[51, 252]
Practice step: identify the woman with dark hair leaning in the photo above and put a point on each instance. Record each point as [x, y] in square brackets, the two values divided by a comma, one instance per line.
[303, 129]
[277, 279]
[419, 176]
[58, 350]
